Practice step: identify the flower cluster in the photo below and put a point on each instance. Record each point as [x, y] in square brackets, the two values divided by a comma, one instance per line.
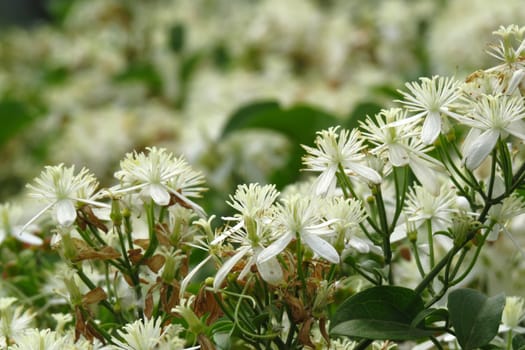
[396, 219]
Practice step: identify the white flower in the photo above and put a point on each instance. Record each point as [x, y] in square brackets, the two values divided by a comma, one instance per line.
[141, 334]
[251, 233]
[334, 149]
[63, 190]
[389, 140]
[422, 206]
[299, 217]
[491, 118]
[35, 339]
[502, 213]
[513, 311]
[159, 176]
[505, 51]
[8, 217]
[13, 320]
[430, 99]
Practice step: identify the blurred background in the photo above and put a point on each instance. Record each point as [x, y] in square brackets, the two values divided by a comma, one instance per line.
[234, 85]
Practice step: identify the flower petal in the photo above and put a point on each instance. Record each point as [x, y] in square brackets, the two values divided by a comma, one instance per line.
[431, 128]
[159, 194]
[397, 155]
[65, 212]
[275, 248]
[426, 174]
[28, 238]
[480, 149]
[271, 271]
[365, 172]
[227, 266]
[326, 181]
[321, 247]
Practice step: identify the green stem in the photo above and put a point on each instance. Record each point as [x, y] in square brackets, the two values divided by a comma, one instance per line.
[430, 243]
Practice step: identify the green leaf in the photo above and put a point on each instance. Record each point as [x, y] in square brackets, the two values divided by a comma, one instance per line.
[298, 123]
[177, 37]
[379, 330]
[474, 316]
[14, 117]
[360, 112]
[518, 342]
[382, 312]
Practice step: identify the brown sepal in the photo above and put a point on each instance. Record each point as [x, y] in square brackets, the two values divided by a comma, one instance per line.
[205, 303]
[85, 252]
[156, 262]
[304, 333]
[94, 296]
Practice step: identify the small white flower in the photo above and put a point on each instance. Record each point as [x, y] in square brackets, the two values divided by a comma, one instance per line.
[141, 334]
[334, 149]
[159, 176]
[491, 118]
[63, 190]
[13, 320]
[35, 339]
[8, 218]
[430, 100]
[513, 311]
[251, 233]
[390, 141]
[505, 51]
[300, 217]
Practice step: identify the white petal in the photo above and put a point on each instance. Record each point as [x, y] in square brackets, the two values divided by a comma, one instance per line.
[481, 148]
[365, 172]
[517, 129]
[197, 208]
[2, 235]
[431, 128]
[189, 276]
[472, 136]
[66, 212]
[360, 245]
[271, 271]
[227, 266]
[398, 155]
[275, 248]
[159, 194]
[321, 247]
[515, 80]
[227, 233]
[325, 181]
[426, 174]
[29, 238]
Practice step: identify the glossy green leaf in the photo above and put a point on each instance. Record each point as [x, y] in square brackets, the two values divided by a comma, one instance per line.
[474, 316]
[382, 312]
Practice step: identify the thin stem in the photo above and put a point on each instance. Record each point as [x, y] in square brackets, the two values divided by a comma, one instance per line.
[430, 244]
[418, 259]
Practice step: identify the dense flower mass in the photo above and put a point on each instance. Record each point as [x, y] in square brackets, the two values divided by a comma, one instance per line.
[405, 217]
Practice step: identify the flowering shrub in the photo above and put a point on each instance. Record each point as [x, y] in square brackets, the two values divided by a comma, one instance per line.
[420, 189]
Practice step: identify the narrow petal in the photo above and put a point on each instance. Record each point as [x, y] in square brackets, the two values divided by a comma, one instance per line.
[29, 238]
[426, 174]
[472, 136]
[431, 128]
[365, 172]
[65, 212]
[517, 128]
[325, 181]
[227, 266]
[197, 208]
[480, 149]
[271, 271]
[159, 194]
[189, 276]
[321, 247]
[227, 233]
[398, 155]
[275, 248]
